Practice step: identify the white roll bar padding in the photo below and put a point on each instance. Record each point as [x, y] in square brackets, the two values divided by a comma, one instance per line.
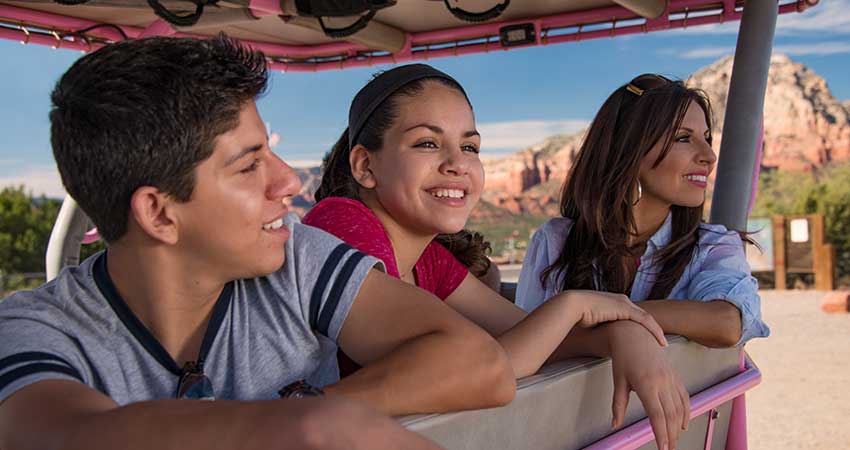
[63, 248]
[567, 405]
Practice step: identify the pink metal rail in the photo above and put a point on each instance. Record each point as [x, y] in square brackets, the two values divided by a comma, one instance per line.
[30, 26]
[706, 401]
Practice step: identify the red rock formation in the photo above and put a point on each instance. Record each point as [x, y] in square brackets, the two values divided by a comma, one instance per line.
[804, 125]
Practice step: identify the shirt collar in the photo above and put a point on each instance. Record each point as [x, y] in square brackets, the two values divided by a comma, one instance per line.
[662, 236]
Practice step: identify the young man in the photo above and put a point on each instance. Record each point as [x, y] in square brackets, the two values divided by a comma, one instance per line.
[204, 292]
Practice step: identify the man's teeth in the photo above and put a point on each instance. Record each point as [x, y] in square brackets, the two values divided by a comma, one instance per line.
[450, 193]
[274, 225]
[700, 178]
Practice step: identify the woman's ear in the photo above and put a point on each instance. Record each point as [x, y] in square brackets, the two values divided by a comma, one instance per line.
[360, 160]
[151, 209]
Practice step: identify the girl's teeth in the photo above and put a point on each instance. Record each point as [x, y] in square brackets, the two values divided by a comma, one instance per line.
[701, 178]
[274, 225]
[451, 193]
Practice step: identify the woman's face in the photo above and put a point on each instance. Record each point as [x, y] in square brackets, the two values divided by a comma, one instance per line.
[428, 176]
[681, 177]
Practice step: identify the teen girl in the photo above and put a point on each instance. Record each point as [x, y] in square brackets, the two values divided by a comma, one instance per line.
[407, 170]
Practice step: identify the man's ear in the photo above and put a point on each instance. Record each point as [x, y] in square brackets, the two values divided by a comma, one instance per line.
[152, 210]
[360, 160]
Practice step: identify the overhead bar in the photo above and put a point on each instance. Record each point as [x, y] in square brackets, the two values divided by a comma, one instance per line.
[744, 112]
[480, 38]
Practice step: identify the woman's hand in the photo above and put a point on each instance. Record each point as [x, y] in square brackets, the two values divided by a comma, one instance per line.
[639, 364]
[596, 307]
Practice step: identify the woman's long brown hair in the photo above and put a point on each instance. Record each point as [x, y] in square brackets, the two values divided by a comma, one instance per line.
[600, 191]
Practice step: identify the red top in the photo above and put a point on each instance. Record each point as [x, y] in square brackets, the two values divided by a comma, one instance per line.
[437, 270]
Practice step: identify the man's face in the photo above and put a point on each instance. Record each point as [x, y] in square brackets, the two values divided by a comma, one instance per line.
[233, 223]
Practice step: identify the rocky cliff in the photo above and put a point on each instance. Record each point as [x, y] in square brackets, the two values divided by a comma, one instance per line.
[805, 127]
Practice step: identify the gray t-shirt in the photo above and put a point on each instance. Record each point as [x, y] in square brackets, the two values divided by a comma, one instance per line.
[264, 333]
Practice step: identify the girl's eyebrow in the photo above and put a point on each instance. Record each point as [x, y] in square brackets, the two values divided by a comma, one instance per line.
[429, 126]
[439, 130]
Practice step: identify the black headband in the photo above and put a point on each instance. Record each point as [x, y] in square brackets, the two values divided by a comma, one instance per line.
[381, 88]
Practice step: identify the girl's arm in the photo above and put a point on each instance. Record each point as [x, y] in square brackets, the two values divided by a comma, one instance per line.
[721, 306]
[530, 339]
[710, 323]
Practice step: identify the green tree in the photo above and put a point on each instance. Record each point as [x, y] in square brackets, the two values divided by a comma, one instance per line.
[25, 225]
[826, 192]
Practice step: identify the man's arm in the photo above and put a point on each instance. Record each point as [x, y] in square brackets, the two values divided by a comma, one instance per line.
[418, 354]
[56, 414]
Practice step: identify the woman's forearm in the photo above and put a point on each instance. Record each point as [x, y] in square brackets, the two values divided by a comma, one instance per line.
[713, 324]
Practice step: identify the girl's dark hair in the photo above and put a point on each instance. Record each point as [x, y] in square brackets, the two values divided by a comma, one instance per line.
[338, 181]
[599, 193]
[470, 248]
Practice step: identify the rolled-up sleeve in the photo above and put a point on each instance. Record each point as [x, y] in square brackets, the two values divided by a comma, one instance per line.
[529, 292]
[725, 275]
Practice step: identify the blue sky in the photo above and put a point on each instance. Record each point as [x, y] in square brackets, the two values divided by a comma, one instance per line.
[520, 97]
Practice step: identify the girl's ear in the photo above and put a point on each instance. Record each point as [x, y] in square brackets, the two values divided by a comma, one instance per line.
[360, 160]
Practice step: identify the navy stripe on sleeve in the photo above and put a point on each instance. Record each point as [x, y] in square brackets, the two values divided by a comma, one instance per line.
[29, 369]
[322, 282]
[23, 357]
[336, 292]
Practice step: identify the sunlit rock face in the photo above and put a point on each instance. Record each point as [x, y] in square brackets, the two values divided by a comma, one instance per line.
[804, 125]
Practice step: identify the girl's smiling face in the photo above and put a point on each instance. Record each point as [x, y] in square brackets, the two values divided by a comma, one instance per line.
[428, 176]
[681, 177]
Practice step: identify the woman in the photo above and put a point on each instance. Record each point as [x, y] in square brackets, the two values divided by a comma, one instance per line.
[632, 212]
[407, 170]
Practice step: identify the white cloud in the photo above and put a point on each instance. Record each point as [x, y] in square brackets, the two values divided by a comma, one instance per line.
[815, 48]
[818, 48]
[706, 52]
[37, 179]
[522, 133]
[827, 17]
[303, 163]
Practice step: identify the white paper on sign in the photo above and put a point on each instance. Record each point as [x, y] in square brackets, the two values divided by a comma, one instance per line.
[799, 230]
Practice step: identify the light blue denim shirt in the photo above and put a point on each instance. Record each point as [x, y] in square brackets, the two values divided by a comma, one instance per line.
[719, 271]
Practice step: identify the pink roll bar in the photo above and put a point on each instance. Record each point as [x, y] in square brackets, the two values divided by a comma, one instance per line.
[640, 433]
[356, 55]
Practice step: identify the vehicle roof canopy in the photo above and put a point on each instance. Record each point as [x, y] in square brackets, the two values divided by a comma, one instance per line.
[406, 30]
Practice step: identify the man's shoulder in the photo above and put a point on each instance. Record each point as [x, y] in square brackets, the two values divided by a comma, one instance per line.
[56, 300]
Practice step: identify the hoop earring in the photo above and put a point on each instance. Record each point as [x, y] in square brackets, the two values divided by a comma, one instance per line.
[640, 193]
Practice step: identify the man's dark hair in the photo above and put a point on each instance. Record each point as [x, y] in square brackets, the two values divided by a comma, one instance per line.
[146, 112]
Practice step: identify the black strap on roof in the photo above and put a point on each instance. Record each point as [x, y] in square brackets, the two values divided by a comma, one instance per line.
[177, 20]
[467, 16]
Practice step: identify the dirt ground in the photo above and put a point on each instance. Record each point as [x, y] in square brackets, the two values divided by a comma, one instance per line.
[803, 401]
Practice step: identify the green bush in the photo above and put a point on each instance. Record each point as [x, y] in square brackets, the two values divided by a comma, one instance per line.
[826, 191]
[25, 226]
